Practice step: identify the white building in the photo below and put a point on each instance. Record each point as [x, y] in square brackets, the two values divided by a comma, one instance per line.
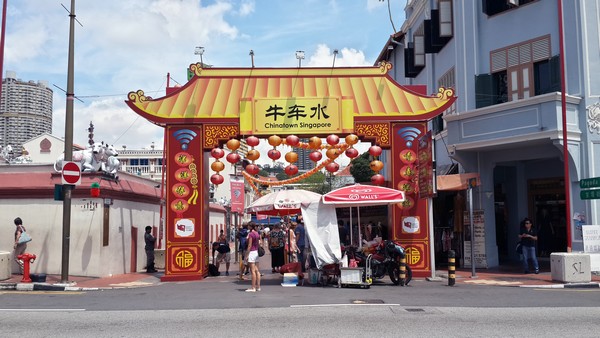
[25, 110]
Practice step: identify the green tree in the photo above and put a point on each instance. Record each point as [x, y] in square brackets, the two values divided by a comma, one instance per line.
[361, 170]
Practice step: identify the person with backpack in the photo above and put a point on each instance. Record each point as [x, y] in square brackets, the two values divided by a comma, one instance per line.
[224, 253]
[242, 236]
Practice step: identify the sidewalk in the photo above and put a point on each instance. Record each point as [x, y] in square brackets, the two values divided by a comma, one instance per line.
[502, 276]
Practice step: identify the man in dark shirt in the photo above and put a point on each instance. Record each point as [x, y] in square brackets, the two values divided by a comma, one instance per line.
[301, 243]
[342, 232]
[528, 237]
[150, 240]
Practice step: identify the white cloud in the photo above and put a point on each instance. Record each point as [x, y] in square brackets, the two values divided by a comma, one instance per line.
[347, 57]
[247, 7]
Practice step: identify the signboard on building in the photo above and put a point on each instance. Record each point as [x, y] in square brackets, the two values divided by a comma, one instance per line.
[591, 238]
[425, 166]
[588, 183]
[479, 240]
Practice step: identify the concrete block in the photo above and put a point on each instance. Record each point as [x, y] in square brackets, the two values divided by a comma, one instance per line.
[5, 265]
[570, 267]
[159, 258]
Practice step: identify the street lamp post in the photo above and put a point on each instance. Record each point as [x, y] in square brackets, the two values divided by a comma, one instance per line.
[200, 51]
[300, 57]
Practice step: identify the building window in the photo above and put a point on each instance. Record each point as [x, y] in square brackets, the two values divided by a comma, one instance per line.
[134, 161]
[515, 72]
[144, 161]
[445, 8]
[493, 7]
[419, 39]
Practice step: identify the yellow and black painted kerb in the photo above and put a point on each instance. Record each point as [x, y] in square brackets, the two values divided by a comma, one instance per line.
[402, 270]
[451, 268]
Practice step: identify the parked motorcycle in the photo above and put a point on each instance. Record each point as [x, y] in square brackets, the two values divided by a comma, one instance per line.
[384, 261]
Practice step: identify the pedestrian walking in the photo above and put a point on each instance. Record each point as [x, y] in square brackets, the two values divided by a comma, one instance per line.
[19, 248]
[276, 245]
[243, 247]
[252, 257]
[224, 253]
[150, 240]
[528, 237]
[301, 242]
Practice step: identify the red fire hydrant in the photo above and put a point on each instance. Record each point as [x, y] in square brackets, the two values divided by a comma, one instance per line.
[26, 258]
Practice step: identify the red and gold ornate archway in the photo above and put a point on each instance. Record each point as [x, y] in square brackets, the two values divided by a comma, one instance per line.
[218, 104]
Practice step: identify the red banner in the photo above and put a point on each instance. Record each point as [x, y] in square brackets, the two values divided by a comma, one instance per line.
[425, 166]
[237, 194]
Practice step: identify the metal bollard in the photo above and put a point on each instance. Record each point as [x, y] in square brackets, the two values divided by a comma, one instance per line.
[402, 269]
[451, 268]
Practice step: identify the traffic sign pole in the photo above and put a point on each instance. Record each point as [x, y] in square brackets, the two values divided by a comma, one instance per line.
[66, 233]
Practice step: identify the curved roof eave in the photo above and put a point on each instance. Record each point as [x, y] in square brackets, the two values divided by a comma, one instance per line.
[214, 94]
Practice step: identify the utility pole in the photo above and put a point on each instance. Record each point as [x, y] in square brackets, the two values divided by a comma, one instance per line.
[64, 276]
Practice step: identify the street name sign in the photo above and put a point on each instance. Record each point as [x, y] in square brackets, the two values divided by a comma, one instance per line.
[593, 182]
[71, 173]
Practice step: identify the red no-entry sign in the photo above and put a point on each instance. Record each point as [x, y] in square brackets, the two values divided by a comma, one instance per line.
[71, 173]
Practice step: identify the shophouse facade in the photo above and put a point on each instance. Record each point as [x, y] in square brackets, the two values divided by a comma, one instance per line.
[503, 58]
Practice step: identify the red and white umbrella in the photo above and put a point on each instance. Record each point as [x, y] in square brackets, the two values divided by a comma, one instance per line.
[283, 202]
[360, 195]
[363, 195]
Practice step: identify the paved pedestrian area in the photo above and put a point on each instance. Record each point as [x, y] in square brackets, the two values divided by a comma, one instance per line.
[509, 276]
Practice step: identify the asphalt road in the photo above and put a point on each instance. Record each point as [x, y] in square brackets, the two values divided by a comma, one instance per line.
[224, 293]
[221, 307]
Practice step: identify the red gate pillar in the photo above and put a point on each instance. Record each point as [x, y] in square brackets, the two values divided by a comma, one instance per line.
[186, 254]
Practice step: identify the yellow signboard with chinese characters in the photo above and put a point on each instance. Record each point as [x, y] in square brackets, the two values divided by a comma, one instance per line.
[294, 115]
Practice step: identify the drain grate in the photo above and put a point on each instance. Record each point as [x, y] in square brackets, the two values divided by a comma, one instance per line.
[368, 301]
[415, 310]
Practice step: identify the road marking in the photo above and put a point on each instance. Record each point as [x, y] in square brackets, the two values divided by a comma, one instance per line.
[568, 289]
[42, 310]
[491, 282]
[41, 292]
[336, 305]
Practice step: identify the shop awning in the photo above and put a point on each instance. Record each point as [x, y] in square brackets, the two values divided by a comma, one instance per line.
[456, 182]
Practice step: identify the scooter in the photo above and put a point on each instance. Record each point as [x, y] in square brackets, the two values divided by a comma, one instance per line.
[384, 261]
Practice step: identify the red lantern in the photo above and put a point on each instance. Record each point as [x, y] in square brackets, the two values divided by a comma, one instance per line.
[377, 179]
[233, 158]
[274, 154]
[375, 150]
[252, 169]
[292, 140]
[291, 170]
[333, 139]
[332, 167]
[217, 153]
[351, 152]
[252, 141]
[216, 179]
[315, 156]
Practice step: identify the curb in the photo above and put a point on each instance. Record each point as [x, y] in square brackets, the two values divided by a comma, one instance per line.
[590, 285]
[42, 287]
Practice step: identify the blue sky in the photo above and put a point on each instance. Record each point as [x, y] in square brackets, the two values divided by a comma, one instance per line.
[126, 45]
